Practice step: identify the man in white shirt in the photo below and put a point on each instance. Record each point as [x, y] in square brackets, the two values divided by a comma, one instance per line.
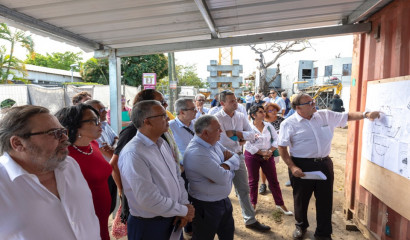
[199, 104]
[151, 178]
[308, 133]
[236, 131]
[278, 100]
[44, 194]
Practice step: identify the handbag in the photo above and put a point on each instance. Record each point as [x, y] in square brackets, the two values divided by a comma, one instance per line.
[119, 229]
[276, 152]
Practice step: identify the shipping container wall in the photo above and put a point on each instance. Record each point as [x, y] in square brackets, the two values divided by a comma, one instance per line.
[382, 53]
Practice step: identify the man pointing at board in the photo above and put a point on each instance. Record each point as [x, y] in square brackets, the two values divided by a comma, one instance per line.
[308, 133]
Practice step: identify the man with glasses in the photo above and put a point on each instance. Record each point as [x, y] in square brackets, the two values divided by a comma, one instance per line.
[151, 178]
[308, 133]
[236, 131]
[199, 104]
[44, 194]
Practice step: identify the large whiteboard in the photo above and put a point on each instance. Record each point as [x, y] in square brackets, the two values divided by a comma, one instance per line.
[386, 141]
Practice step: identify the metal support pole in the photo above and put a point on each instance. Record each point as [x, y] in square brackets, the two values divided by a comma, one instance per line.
[114, 65]
[170, 79]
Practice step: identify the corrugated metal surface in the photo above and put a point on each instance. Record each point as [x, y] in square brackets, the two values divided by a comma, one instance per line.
[126, 23]
[376, 58]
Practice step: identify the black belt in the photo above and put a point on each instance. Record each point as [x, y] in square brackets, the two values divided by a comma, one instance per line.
[207, 202]
[312, 159]
[151, 219]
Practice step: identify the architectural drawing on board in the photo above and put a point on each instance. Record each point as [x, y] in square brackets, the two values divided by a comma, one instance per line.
[386, 141]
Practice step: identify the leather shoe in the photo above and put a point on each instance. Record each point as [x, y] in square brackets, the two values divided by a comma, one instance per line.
[298, 233]
[258, 227]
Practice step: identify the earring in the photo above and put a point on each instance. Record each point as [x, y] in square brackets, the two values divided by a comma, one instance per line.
[79, 135]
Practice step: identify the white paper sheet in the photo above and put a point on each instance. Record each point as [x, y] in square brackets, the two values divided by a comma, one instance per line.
[315, 175]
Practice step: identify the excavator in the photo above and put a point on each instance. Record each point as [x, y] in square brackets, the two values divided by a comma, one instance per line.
[323, 94]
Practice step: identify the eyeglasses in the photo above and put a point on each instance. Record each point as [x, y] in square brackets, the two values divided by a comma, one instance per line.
[271, 111]
[163, 102]
[164, 116]
[189, 109]
[96, 121]
[201, 100]
[101, 110]
[310, 103]
[58, 133]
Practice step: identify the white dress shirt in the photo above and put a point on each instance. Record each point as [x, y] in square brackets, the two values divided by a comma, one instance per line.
[263, 140]
[30, 211]
[278, 100]
[310, 138]
[214, 110]
[204, 110]
[242, 109]
[202, 164]
[181, 135]
[237, 122]
[151, 179]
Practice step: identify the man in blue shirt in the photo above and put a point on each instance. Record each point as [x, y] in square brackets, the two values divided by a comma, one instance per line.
[183, 125]
[210, 169]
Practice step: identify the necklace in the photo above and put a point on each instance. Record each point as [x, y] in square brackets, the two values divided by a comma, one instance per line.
[91, 151]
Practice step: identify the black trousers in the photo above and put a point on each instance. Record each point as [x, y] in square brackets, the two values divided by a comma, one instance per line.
[113, 192]
[323, 190]
[213, 218]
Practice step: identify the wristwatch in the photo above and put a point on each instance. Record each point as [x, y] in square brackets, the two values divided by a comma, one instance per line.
[364, 115]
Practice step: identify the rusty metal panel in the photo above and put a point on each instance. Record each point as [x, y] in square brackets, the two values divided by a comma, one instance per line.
[383, 53]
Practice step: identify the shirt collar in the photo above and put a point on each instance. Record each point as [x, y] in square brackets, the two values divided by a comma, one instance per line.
[14, 170]
[300, 118]
[201, 141]
[147, 141]
[181, 124]
[225, 114]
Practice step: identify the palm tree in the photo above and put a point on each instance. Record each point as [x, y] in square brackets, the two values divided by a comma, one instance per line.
[15, 37]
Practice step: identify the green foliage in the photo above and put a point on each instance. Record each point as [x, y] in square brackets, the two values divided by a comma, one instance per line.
[9, 61]
[55, 60]
[95, 70]
[187, 76]
[132, 68]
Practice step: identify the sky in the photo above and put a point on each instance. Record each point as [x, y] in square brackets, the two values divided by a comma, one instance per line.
[322, 49]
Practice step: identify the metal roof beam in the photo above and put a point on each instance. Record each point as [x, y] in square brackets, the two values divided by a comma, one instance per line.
[240, 40]
[365, 10]
[203, 8]
[47, 29]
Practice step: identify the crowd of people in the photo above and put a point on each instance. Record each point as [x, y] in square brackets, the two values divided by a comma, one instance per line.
[60, 174]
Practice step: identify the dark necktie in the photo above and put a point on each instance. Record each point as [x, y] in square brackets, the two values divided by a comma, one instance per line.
[189, 130]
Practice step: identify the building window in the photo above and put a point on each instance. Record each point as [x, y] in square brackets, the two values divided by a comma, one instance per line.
[315, 72]
[328, 70]
[306, 73]
[347, 69]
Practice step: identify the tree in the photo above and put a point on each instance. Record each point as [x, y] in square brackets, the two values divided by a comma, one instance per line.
[132, 68]
[55, 60]
[187, 76]
[14, 63]
[14, 37]
[95, 70]
[278, 50]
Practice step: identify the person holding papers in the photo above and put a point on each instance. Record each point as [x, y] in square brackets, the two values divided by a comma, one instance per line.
[308, 133]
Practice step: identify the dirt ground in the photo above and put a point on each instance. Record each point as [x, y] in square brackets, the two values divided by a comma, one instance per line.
[266, 213]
